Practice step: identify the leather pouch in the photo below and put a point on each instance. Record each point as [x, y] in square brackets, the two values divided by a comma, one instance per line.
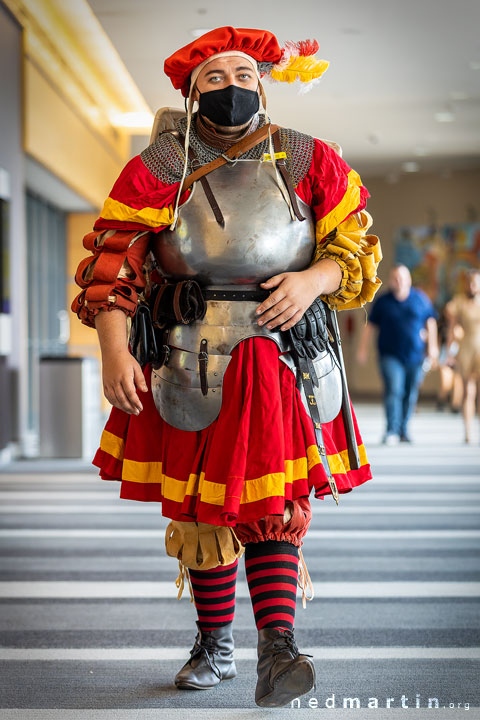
[200, 546]
[168, 304]
[180, 302]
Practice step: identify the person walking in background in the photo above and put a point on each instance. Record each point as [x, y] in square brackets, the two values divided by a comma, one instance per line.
[407, 335]
[464, 310]
[450, 387]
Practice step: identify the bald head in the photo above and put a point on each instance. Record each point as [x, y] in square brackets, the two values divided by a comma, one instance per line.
[400, 282]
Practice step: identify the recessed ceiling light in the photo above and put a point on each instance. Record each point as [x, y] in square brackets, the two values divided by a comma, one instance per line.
[410, 166]
[198, 32]
[444, 116]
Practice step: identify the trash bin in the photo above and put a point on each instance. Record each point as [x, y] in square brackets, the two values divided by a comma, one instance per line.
[70, 410]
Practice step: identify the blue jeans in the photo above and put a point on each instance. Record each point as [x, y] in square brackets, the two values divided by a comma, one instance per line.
[402, 383]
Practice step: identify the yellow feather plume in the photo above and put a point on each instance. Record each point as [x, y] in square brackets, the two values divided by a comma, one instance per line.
[304, 69]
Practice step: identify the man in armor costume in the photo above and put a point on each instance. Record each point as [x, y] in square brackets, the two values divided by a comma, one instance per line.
[218, 430]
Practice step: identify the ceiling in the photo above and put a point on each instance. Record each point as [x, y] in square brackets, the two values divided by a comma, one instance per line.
[394, 64]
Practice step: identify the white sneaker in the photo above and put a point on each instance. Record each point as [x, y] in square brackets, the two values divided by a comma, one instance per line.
[390, 439]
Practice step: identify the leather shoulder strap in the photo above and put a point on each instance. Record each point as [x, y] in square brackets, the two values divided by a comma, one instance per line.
[286, 176]
[208, 192]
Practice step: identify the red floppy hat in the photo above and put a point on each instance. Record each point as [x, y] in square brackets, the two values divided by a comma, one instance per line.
[294, 61]
[261, 45]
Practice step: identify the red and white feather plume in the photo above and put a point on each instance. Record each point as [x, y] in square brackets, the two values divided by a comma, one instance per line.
[298, 62]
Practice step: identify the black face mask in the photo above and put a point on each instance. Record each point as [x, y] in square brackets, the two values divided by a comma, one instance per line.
[229, 106]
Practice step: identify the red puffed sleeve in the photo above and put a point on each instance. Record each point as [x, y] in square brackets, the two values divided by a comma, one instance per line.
[139, 201]
[331, 188]
[113, 274]
[337, 197]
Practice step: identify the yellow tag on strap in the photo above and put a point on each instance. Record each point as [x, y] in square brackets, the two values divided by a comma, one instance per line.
[278, 156]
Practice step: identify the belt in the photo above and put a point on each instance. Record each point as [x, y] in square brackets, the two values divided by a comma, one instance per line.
[252, 295]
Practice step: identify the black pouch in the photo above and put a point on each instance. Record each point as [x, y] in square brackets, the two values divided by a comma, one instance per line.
[146, 341]
[168, 304]
[172, 303]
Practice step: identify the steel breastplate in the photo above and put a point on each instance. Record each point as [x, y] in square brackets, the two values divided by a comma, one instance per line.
[259, 238]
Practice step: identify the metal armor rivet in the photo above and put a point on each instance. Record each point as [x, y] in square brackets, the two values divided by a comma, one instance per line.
[306, 376]
[318, 426]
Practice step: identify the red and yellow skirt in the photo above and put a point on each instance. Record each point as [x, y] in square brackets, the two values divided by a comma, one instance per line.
[258, 454]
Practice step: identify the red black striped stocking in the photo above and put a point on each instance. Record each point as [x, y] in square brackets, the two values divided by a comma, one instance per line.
[214, 594]
[272, 571]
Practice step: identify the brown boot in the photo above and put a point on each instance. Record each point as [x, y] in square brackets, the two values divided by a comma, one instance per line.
[211, 660]
[283, 674]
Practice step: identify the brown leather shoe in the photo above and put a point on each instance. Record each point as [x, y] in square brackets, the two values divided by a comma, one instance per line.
[283, 674]
[211, 660]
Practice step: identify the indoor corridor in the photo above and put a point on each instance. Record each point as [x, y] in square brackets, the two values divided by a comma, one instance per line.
[90, 624]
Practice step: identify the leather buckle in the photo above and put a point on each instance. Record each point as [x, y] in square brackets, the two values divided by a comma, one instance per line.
[230, 161]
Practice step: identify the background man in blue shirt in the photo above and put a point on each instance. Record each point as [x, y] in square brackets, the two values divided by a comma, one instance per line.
[407, 331]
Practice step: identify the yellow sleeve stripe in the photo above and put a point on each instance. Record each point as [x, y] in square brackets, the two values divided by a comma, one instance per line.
[152, 217]
[348, 204]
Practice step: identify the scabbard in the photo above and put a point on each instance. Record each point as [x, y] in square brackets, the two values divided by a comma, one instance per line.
[352, 447]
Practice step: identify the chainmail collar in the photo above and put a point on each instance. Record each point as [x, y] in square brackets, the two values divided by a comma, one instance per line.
[206, 153]
[164, 158]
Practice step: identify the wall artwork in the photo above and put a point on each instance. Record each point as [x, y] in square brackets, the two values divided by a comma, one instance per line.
[439, 257]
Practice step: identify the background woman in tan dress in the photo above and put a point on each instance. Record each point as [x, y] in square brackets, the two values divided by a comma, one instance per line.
[464, 310]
